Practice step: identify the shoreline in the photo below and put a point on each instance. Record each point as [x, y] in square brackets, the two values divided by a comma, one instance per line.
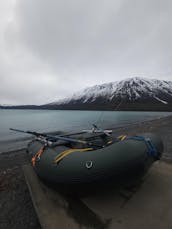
[16, 208]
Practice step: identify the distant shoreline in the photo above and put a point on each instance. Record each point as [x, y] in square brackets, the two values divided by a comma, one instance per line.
[43, 107]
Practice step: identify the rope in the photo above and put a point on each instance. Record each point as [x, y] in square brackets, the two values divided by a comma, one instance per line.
[63, 154]
[152, 151]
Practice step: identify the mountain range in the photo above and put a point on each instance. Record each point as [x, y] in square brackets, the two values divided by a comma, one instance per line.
[130, 94]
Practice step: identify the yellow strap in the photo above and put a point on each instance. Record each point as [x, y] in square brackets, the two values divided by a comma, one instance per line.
[63, 154]
[122, 137]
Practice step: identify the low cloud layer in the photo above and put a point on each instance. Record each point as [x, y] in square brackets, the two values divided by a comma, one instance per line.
[50, 49]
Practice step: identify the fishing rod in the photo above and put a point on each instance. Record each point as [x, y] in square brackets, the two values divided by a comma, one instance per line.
[96, 129]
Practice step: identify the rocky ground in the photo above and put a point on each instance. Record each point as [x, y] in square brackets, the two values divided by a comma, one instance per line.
[16, 209]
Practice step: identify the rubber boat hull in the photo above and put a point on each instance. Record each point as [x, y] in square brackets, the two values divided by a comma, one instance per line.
[94, 166]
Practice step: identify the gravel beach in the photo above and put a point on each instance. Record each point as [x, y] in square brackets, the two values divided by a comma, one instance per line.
[16, 209]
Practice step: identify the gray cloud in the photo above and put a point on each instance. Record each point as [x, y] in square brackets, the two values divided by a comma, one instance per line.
[51, 49]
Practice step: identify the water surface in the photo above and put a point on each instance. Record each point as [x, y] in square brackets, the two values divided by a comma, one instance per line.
[59, 120]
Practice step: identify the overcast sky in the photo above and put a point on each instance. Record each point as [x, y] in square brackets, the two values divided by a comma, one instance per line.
[50, 49]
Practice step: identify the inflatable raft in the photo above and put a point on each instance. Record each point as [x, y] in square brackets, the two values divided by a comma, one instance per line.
[104, 158]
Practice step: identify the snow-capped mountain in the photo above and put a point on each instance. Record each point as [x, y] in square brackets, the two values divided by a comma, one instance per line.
[133, 93]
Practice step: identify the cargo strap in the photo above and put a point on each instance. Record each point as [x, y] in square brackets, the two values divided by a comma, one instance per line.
[122, 137]
[152, 151]
[63, 154]
[38, 155]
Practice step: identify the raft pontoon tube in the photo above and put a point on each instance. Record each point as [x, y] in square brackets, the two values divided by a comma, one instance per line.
[65, 164]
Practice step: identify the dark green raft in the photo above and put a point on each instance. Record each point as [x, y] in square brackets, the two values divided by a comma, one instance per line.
[105, 158]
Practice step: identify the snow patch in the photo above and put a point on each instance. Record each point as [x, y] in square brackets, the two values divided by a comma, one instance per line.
[160, 100]
[131, 89]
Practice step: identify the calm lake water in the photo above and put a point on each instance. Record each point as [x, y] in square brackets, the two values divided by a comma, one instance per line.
[58, 120]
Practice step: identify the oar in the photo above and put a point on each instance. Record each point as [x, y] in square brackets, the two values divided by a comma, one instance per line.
[54, 138]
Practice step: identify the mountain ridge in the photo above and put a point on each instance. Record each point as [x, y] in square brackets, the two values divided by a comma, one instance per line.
[135, 94]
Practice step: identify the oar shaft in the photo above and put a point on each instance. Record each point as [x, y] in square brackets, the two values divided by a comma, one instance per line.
[22, 131]
[67, 139]
[51, 136]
